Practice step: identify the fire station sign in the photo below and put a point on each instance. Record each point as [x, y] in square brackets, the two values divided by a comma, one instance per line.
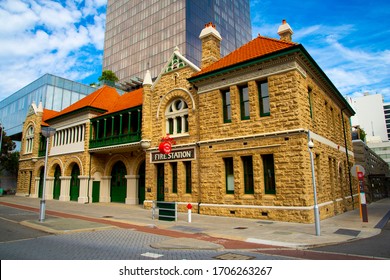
[174, 155]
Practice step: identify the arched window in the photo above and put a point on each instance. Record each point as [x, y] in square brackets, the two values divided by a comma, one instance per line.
[29, 139]
[176, 116]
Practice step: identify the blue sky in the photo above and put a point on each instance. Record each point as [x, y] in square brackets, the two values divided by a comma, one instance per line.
[349, 39]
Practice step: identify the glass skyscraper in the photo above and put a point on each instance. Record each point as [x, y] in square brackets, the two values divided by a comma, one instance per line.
[54, 92]
[141, 34]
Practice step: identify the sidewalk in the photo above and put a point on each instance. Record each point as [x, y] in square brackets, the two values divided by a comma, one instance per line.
[66, 217]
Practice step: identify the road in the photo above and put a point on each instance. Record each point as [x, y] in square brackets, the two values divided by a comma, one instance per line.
[18, 242]
[377, 246]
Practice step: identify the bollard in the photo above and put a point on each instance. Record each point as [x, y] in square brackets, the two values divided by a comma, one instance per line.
[189, 207]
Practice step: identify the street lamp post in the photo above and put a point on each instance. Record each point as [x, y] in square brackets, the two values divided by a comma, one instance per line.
[1, 138]
[46, 132]
[313, 177]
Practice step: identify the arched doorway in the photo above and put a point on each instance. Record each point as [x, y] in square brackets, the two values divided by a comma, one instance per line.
[141, 183]
[41, 178]
[75, 183]
[57, 183]
[118, 182]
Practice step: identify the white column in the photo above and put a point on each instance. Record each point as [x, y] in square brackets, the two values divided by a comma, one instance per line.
[132, 189]
[65, 188]
[105, 195]
[83, 195]
[49, 188]
[36, 191]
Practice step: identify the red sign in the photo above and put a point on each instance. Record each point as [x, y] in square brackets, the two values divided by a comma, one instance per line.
[360, 175]
[165, 146]
[189, 206]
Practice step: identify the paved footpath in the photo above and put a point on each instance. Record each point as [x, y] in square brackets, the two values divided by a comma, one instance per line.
[232, 233]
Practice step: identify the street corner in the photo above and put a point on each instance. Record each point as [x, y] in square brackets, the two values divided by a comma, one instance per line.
[65, 225]
[186, 244]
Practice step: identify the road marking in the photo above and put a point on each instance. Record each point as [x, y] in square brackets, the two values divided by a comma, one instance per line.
[152, 255]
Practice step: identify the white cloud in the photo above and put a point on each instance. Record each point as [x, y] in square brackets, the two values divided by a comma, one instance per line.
[49, 37]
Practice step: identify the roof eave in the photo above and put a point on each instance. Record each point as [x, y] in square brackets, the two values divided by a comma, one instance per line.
[87, 108]
[246, 63]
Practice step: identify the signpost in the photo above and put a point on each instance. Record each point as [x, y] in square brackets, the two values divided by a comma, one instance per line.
[358, 171]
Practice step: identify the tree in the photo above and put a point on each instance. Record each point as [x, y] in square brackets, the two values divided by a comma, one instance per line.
[362, 135]
[108, 75]
[9, 160]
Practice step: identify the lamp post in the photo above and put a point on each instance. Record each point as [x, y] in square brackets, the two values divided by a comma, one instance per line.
[1, 138]
[47, 132]
[313, 177]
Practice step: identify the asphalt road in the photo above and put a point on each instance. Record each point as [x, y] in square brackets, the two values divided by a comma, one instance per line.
[376, 246]
[18, 242]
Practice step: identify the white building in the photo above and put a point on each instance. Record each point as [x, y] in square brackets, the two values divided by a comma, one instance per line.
[370, 117]
[373, 116]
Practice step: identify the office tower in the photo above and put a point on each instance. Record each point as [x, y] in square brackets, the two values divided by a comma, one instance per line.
[54, 92]
[141, 34]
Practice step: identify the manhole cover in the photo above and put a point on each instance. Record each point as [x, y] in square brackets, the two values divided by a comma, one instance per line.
[349, 232]
[240, 228]
[232, 256]
[108, 216]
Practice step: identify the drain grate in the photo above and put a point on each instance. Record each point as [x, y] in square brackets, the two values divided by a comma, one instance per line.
[233, 256]
[349, 232]
[240, 228]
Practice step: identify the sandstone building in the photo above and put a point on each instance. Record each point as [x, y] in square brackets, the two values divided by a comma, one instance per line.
[241, 126]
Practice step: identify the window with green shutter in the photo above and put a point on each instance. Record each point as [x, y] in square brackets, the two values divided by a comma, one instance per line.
[269, 174]
[247, 163]
[244, 102]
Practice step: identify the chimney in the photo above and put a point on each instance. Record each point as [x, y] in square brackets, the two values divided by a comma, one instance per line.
[211, 45]
[285, 32]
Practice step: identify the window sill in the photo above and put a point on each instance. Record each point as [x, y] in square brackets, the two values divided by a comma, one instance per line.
[179, 135]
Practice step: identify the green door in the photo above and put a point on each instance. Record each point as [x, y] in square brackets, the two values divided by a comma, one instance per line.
[118, 183]
[160, 182]
[75, 183]
[95, 191]
[141, 183]
[57, 183]
[41, 178]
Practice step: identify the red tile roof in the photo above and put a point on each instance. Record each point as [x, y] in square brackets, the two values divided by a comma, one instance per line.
[47, 114]
[103, 99]
[256, 48]
[127, 100]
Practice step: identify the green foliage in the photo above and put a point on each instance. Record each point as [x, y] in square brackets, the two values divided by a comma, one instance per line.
[362, 134]
[9, 160]
[108, 75]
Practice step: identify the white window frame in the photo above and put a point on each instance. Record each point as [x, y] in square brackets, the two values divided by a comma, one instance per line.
[178, 117]
[29, 139]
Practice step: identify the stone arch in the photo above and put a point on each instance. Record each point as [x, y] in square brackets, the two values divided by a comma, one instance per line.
[38, 166]
[175, 93]
[52, 167]
[136, 162]
[27, 126]
[113, 160]
[69, 165]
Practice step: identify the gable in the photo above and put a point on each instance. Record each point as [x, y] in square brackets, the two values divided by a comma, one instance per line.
[175, 62]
